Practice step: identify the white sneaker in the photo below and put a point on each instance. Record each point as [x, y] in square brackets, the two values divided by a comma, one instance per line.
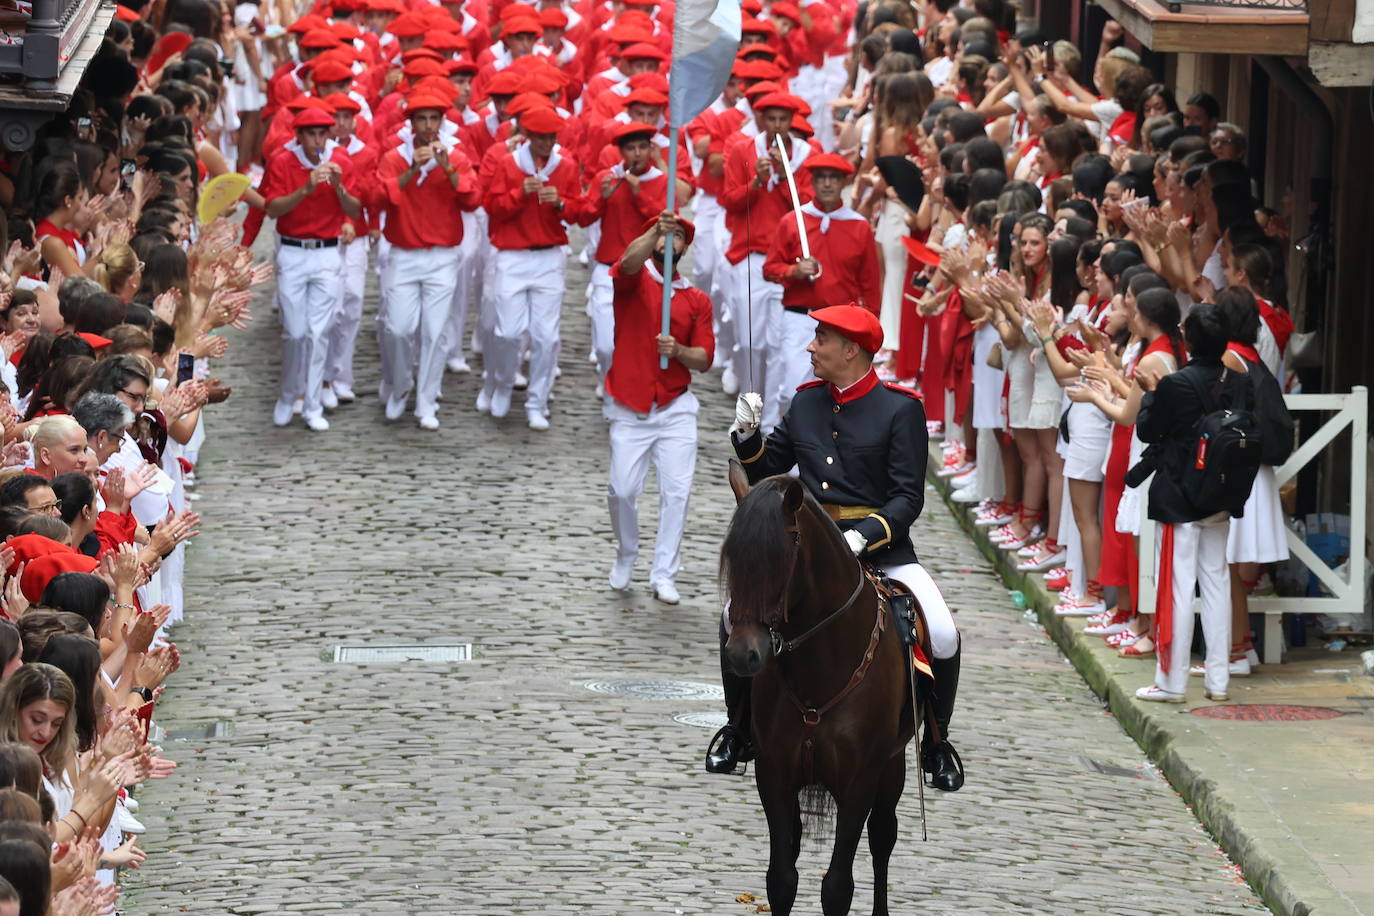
[127, 822]
[458, 364]
[537, 420]
[1154, 694]
[966, 495]
[500, 403]
[317, 422]
[299, 407]
[522, 381]
[600, 390]
[729, 383]
[395, 407]
[282, 413]
[666, 592]
[430, 422]
[1238, 668]
[328, 399]
[965, 479]
[620, 573]
[484, 400]
[344, 393]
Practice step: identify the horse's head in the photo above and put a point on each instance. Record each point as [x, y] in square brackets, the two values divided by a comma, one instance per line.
[776, 531]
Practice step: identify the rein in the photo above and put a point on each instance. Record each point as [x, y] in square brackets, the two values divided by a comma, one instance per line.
[782, 646]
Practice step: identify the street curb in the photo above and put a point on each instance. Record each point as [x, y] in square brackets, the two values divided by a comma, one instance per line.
[1289, 893]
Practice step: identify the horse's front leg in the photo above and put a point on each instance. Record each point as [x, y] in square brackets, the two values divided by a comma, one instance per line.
[837, 890]
[783, 811]
[882, 827]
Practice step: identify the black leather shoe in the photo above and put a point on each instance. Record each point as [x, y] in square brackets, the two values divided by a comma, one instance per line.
[944, 766]
[728, 749]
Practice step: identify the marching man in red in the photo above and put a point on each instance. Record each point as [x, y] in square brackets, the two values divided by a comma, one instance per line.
[534, 190]
[307, 189]
[424, 186]
[843, 267]
[652, 414]
[622, 197]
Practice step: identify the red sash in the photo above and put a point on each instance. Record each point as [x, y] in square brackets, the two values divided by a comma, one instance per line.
[1164, 599]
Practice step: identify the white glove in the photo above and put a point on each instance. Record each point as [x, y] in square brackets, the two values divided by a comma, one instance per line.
[748, 413]
[856, 541]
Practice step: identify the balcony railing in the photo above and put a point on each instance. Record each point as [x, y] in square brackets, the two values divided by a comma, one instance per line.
[1278, 6]
[49, 36]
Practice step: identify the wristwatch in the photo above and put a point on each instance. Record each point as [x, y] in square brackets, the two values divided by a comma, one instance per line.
[144, 692]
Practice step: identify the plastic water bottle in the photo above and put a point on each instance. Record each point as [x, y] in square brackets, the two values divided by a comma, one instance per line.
[1018, 599]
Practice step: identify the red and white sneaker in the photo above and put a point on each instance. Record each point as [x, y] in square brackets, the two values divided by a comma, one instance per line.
[1000, 514]
[1017, 542]
[955, 459]
[965, 477]
[1079, 606]
[935, 429]
[1123, 639]
[1047, 554]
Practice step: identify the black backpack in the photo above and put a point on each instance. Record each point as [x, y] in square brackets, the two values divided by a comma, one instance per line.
[1229, 447]
[1271, 413]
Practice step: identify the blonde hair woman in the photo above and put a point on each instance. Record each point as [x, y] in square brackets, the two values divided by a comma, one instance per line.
[119, 271]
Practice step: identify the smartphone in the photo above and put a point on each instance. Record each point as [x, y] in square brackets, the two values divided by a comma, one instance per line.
[186, 368]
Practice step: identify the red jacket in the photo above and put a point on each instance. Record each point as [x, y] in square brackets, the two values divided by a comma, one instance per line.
[516, 220]
[625, 212]
[427, 212]
[851, 270]
[319, 215]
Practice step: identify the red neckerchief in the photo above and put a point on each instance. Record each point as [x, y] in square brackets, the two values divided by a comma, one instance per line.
[1244, 351]
[1123, 127]
[1279, 322]
[855, 391]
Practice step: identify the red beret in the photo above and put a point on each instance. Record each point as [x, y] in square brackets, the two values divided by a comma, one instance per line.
[308, 23]
[422, 66]
[629, 33]
[419, 99]
[646, 97]
[461, 65]
[407, 25]
[541, 121]
[633, 129]
[786, 11]
[445, 41]
[757, 48]
[528, 101]
[341, 102]
[38, 573]
[756, 70]
[436, 85]
[802, 126]
[504, 83]
[829, 161]
[651, 80]
[95, 340]
[28, 547]
[757, 26]
[854, 322]
[542, 82]
[689, 228]
[776, 100]
[319, 38]
[344, 31]
[417, 53]
[763, 87]
[302, 102]
[752, 7]
[522, 25]
[517, 11]
[646, 4]
[312, 117]
[643, 51]
[330, 71]
[553, 18]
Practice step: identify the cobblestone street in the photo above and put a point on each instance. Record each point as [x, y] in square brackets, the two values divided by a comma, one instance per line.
[504, 785]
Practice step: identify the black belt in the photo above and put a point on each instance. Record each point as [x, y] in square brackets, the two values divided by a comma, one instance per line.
[799, 309]
[310, 243]
[542, 247]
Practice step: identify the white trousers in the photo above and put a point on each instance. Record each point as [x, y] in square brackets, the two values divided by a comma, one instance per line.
[756, 307]
[668, 438]
[309, 282]
[944, 635]
[1199, 559]
[419, 284]
[343, 337]
[601, 309]
[891, 230]
[798, 330]
[527, 299]
[469, 279]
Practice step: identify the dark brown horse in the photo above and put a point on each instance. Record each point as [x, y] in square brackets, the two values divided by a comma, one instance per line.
[830, 691]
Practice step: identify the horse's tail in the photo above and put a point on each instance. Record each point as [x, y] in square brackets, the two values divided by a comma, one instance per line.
[817, 807]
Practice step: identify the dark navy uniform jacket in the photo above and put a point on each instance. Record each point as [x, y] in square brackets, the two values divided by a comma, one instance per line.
[861, 453]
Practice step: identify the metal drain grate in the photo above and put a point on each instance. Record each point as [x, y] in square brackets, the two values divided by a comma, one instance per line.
[707, 720]
[368, 655]
[659, 690]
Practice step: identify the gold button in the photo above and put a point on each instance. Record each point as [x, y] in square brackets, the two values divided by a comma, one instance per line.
[834, 435]
[837, 408]
[829, 460]
[825, 485]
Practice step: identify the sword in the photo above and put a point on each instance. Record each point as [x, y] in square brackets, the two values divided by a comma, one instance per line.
[796, 202]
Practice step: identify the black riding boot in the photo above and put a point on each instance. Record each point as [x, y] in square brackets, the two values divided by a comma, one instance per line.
[941, 760]
[731, 745]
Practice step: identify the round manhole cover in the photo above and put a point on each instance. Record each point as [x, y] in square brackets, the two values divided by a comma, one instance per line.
[1267, 712]
[708, 720]
[659, 690]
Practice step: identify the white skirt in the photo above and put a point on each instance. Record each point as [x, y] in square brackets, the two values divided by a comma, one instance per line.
[987, 381]
[1090, 435]
[1259, 536]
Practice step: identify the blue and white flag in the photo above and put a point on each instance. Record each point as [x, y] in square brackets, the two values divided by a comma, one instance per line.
[705, 40]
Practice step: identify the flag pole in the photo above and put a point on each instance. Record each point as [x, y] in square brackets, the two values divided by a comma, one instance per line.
[666, 323]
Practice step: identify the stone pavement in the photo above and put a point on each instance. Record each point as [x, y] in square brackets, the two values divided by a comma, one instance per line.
[1288, 796]
[504, 785]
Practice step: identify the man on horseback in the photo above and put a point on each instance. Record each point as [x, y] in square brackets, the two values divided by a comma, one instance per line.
[860, 446]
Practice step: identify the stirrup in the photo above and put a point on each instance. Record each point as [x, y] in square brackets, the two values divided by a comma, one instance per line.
[944, 747]
[746, 750]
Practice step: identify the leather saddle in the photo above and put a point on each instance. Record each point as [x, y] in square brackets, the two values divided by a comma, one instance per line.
[909, 621]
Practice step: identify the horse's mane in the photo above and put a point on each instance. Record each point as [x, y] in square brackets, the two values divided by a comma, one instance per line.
[754, 555]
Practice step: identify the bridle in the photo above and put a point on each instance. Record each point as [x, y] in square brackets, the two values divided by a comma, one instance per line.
[782, 646]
